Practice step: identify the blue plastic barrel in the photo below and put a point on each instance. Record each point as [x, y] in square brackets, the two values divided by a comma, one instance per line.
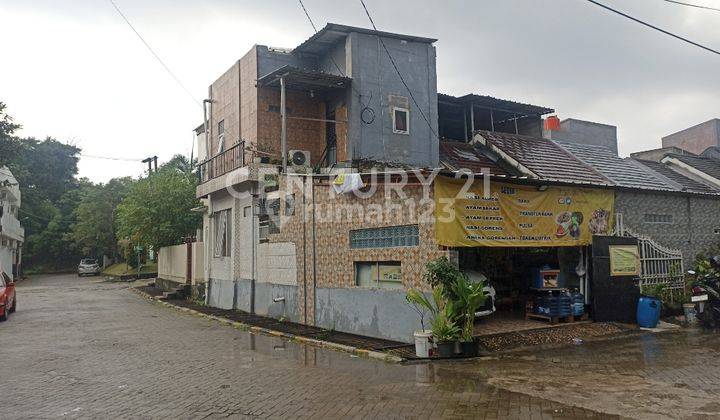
[648, 311]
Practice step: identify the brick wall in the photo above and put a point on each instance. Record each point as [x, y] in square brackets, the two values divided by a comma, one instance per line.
[301, 134]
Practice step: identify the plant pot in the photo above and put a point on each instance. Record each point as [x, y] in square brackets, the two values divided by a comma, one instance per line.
[470, 348]
[423, 343]
[446, 349]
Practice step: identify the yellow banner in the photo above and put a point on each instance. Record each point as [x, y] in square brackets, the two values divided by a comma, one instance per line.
[519, 215]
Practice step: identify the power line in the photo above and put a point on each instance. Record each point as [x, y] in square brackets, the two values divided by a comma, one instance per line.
[308, 16]
[392, 61]
[157, 57]
[653, 27]
[337, 66]
[693, 5]
[111, 158]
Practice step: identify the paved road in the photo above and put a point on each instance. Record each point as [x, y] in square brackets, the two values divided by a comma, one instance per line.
[84, 348]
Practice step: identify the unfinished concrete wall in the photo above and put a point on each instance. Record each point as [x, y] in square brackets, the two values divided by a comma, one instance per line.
[697, 138]
[586, 132]
[374, 76]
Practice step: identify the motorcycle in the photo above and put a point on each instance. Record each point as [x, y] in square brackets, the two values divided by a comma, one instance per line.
[706, 294]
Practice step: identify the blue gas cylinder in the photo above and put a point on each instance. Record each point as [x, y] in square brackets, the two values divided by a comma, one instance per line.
[648, 311]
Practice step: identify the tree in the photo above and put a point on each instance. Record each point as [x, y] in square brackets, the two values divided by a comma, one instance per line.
[157, 210]
[94, 230]
[181, 164]
[9, 148]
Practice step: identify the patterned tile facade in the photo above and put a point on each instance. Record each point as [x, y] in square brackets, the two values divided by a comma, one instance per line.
[335, 216]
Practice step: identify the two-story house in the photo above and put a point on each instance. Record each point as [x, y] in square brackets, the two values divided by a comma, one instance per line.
[12, 235]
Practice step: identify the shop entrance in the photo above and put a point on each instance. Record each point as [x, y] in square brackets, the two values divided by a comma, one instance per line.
[525, 279]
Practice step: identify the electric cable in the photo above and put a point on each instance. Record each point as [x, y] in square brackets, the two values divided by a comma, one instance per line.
[366, 110]
[653, 27]
[152, 51]
[402, 79]
[693, 5]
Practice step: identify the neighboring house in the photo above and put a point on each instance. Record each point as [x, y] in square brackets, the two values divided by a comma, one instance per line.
[676, 211]
[656, 155]
[12, 235]
[695, 139]
[705, 170]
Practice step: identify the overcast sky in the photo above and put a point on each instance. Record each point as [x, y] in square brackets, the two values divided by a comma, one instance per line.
[75, 71]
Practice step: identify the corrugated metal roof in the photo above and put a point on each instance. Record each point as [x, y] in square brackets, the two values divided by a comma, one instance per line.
[622, 172]
[545, 158]
[496, 103]
[459, 155]
[333, 33]
[684, 183]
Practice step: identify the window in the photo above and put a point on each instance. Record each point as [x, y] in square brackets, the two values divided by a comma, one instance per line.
[221, 136]
[658, 218]
[222, 223]
[385, 237]
[401, 120]
[289, 204]
[246, 211]
[269, 217]
[380, 274]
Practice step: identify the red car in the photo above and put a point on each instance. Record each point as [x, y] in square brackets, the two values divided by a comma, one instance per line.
[7, 297]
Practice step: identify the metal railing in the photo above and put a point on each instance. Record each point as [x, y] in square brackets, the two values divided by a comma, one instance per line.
[659, 264]
[222, 163]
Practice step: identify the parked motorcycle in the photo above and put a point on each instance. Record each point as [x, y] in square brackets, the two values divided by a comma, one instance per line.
[706, 294]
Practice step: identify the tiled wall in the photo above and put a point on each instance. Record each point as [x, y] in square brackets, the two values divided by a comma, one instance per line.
[334, 265]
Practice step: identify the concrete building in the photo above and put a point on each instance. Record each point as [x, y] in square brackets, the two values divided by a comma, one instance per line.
[695, 139]
[12, 235]
[656, 155]
[585, 132]
[344, 100]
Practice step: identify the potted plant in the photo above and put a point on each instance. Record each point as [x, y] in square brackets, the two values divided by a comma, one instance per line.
[422, 305]
[446, 332]
[470, 297]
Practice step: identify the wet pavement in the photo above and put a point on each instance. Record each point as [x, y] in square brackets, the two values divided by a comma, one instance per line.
[83, 348]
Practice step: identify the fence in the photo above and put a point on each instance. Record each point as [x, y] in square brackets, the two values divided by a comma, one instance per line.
[659, 265]
[173, 263]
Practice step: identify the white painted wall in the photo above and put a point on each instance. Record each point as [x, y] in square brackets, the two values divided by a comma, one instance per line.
[172, 262]
[277, 263]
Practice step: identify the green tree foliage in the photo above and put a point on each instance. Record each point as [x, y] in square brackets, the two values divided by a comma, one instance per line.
[157, 210]
[94, 230]
[8, 148]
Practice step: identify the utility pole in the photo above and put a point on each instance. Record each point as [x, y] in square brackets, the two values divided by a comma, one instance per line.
[149, 163]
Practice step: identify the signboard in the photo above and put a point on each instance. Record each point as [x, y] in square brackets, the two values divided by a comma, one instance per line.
[624, 260]
[513, 215]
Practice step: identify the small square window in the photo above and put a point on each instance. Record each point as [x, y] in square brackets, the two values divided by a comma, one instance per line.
[378, 274]
[246, 211]
[401, 120]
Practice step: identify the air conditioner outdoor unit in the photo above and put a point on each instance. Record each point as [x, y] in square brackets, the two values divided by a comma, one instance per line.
[299, 158]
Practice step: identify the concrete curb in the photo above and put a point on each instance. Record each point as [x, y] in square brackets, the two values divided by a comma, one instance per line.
[369, 354]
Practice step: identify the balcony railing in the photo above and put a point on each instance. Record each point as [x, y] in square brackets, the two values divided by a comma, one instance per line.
[222, 163]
